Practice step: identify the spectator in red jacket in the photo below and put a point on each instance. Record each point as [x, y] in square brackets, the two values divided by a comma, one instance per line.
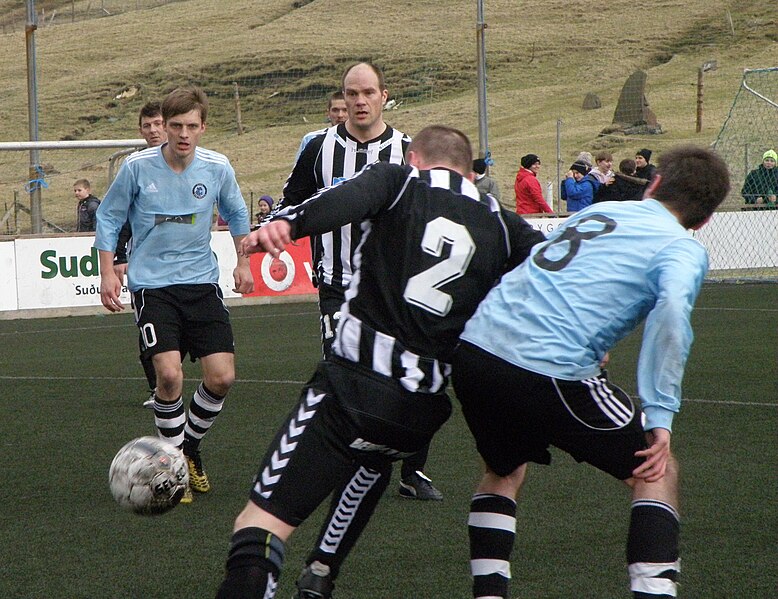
[529, 196]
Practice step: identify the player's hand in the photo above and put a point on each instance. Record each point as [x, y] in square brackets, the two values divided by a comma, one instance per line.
[656, 456]
[244, 280]
[110, 288]
[120, 270]
[272, 237]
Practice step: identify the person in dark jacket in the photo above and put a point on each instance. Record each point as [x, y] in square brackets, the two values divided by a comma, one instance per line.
[761, 185]
[86, 207]
[626, 186]
[644, 170]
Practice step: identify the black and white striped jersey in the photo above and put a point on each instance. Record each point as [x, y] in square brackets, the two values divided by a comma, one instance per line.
[431, 248]
[329, 159]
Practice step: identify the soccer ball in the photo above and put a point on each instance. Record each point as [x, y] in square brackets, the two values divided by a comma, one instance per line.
[148, 476]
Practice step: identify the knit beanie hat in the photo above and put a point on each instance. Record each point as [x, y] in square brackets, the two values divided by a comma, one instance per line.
[580, 167]
[645, 153]
[267, 199]
[528, 160]
[479, 166]
[770, 154]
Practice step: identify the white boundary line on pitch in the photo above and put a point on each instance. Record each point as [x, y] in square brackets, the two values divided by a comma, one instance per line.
[132, 324]
[758, 404]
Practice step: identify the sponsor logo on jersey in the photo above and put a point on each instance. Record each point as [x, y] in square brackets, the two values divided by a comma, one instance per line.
[178, 219]
[151, 188]
[199, 191]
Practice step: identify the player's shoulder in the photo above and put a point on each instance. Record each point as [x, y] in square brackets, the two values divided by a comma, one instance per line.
[391, 132]
[210, 156]
[143, 155]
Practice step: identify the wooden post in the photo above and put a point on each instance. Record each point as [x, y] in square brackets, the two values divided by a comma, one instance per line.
[237, 107]
[700, 72]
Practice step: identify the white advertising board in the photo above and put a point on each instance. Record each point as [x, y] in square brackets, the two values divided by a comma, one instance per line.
[65, 271]
[8, 299]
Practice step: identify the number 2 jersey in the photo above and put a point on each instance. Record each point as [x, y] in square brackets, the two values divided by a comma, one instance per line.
[596, 278]
[431, 248]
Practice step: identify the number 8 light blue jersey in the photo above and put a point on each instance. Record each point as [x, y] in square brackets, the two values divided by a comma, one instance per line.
[595, 279]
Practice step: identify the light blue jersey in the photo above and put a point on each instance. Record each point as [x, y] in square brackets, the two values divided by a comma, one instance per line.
[171, 215]
[590, 285]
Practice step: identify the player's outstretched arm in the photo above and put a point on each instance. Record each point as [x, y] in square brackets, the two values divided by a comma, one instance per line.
[656, 456]
[271, 237]
[244, 280]
[110, 284]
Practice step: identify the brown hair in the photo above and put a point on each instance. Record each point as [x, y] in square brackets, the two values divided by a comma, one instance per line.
[627, 166]
[603, 155]
[694, 182]
[183, 100]
[378, 73]
[335, 96]
[149, 110]
[438, 143]
[83, 183]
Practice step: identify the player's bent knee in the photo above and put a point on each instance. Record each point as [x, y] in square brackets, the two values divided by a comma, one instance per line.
[254, 516]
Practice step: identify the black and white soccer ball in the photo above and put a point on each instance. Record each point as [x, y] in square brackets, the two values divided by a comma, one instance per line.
[148, 476]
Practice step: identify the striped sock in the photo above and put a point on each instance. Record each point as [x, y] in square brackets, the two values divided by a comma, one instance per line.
[170, 419]
[492, 529]
[203, 410]
[652, 550]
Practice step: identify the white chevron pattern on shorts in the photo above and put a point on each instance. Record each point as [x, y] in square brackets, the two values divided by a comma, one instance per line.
[349, 503]
[280, 458]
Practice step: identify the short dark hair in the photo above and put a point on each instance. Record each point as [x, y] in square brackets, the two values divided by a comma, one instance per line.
[149, 110]
[694, 181]
[627, 166]
[183, 100]
[338, 95]
[377, 70]
[445, 144]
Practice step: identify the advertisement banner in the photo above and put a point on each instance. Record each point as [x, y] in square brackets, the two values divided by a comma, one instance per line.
[64, 272]
[59, 272]
[8, 300]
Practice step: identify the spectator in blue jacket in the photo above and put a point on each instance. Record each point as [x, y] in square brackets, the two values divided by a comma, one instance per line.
[579, 187]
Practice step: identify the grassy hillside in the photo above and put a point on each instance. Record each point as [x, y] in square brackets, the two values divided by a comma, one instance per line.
[542, 59]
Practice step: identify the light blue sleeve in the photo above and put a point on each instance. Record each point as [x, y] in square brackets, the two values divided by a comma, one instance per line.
[232, 206]
[114, 209]
[677, 273]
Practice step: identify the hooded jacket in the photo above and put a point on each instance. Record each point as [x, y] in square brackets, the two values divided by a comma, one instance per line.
[529, 195]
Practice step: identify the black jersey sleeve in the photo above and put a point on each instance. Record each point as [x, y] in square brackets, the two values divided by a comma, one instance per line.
[301, 183]
[522, 237]
[362, 197]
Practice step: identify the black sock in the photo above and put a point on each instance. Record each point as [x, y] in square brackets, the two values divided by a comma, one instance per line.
[652, 549]
[253, 565]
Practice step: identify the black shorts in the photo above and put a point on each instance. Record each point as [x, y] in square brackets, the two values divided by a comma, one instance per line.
[515, 415]
[184, 318]
[331, 299]
[348, 419]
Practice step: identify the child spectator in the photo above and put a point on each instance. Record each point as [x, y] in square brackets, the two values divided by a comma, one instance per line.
[86, 207]
[579, 187]
[264, 206]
